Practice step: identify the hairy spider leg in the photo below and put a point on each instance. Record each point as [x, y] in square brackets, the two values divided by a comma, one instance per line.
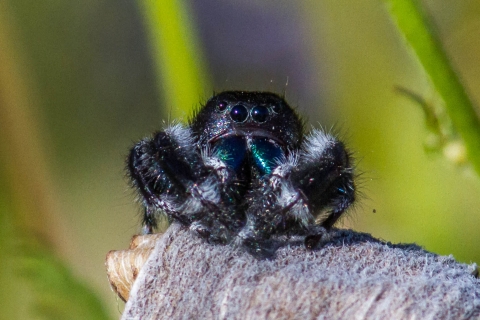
[325, 176]
[160, 169]
[172, 177]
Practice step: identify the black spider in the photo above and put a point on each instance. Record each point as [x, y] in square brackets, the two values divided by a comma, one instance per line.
[243, 171]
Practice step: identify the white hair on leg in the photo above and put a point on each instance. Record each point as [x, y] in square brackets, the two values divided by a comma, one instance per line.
[315, 144]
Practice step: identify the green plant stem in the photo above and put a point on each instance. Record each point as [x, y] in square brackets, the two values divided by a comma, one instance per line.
[421, 35]
[178, 59]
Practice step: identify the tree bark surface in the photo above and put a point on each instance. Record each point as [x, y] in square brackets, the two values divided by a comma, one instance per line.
[349, 276]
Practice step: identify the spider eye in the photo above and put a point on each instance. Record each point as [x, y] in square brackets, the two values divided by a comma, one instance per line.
[222, 105]
[239, 113]
[259, 114]
[276, 107]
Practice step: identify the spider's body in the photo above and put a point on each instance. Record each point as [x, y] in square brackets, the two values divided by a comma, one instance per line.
[243, 171]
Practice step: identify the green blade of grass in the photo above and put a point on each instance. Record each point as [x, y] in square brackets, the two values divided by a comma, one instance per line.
[422, 37]
[179, 65]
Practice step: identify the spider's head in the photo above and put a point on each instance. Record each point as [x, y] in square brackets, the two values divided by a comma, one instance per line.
[250, 115]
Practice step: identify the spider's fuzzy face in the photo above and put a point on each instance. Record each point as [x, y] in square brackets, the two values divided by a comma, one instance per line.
[248, 114]
[243, 171]
[248, 129]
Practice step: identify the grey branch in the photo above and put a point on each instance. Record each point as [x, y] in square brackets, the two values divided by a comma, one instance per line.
[349, 276]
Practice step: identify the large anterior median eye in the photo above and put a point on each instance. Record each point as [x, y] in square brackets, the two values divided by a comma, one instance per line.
[239, 113]
[259, 114]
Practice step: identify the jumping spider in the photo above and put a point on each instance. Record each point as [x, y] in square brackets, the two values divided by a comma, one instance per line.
[242, 171]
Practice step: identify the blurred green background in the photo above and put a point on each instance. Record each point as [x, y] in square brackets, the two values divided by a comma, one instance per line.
[80, 82]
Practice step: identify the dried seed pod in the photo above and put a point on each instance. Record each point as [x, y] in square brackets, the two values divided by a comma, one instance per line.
[123, 266]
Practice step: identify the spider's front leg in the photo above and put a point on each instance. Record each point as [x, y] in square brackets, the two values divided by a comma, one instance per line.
[173, 177]
[308, 190]
[325, 177]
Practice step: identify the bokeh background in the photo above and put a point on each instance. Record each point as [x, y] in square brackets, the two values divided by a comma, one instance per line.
[81, 81]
